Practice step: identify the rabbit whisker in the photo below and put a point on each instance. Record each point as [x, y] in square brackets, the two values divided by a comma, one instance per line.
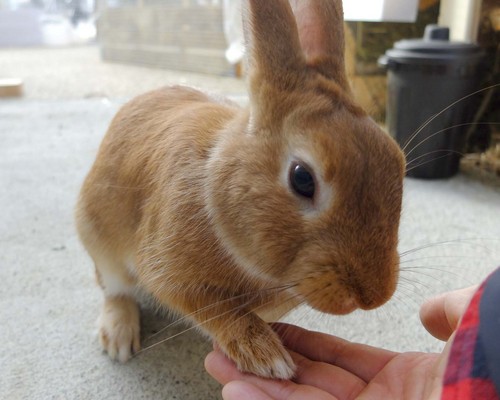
[255, 295]
[422, 127]
[196, 326]
[404, 297]
[448, 153]
[444, 130]
[417, 271]
[290, 298]
[469, 241]
[409, 282]
[435, 257]
[218, 303]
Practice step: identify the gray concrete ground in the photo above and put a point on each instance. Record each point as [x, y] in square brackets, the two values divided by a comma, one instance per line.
[450, 238]
[77, 72]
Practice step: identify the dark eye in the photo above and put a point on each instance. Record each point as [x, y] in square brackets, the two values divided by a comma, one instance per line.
[301, 181]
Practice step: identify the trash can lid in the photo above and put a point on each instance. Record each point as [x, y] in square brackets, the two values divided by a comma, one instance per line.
[434, 47]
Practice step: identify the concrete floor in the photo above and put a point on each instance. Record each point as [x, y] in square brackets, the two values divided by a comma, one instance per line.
[49, 300]
[78, 73]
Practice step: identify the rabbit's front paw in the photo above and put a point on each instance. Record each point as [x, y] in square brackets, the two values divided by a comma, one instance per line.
[119, 328]
[260, 352]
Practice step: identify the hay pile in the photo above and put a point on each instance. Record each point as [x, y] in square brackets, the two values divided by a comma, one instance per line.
[484, 166]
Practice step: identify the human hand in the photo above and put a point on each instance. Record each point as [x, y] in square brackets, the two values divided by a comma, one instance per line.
[441, 314]
[332, 368]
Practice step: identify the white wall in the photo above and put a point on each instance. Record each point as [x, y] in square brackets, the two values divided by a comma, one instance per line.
[381, 10]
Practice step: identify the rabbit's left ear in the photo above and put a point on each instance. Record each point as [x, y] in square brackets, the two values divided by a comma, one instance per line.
[272, 42]
[320, 25]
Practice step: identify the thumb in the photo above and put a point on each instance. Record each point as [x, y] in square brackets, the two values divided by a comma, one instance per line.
[441, 314]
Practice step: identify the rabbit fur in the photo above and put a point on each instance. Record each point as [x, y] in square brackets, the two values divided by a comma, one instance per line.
[190, 199]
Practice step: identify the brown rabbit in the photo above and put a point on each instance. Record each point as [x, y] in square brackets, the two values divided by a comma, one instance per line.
[229, 215]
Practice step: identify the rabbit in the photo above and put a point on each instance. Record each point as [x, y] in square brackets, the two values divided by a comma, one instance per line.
[232, 216]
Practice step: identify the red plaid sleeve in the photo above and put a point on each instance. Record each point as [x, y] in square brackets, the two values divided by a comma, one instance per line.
[474, 361]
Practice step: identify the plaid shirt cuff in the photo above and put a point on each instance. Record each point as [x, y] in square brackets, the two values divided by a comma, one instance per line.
[473, 370]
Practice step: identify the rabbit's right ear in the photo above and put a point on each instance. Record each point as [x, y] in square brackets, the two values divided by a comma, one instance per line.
[320, 24]
[272, 42]
[286, 37]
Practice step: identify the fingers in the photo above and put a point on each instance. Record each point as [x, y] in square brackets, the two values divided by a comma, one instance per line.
[240, 390]
[441, 314]
[360, 360]
[243, 386]
[436, 376]
[221, 368]
[332, 379]
[327, 368]
[433, 317]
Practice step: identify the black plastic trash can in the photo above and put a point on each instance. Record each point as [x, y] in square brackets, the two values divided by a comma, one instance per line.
[428, 109]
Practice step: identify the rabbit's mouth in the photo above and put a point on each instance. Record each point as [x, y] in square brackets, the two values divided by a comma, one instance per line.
[346, 306]
[332, 298]
[329, 293]
[339, 307]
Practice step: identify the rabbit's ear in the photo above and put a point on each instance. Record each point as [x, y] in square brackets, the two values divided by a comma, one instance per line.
[272, 42]
[320, 26]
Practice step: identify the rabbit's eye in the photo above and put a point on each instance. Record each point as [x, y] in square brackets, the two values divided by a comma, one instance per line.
[301, 181]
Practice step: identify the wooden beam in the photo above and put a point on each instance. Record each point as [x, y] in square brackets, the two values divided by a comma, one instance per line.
[11, 87]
